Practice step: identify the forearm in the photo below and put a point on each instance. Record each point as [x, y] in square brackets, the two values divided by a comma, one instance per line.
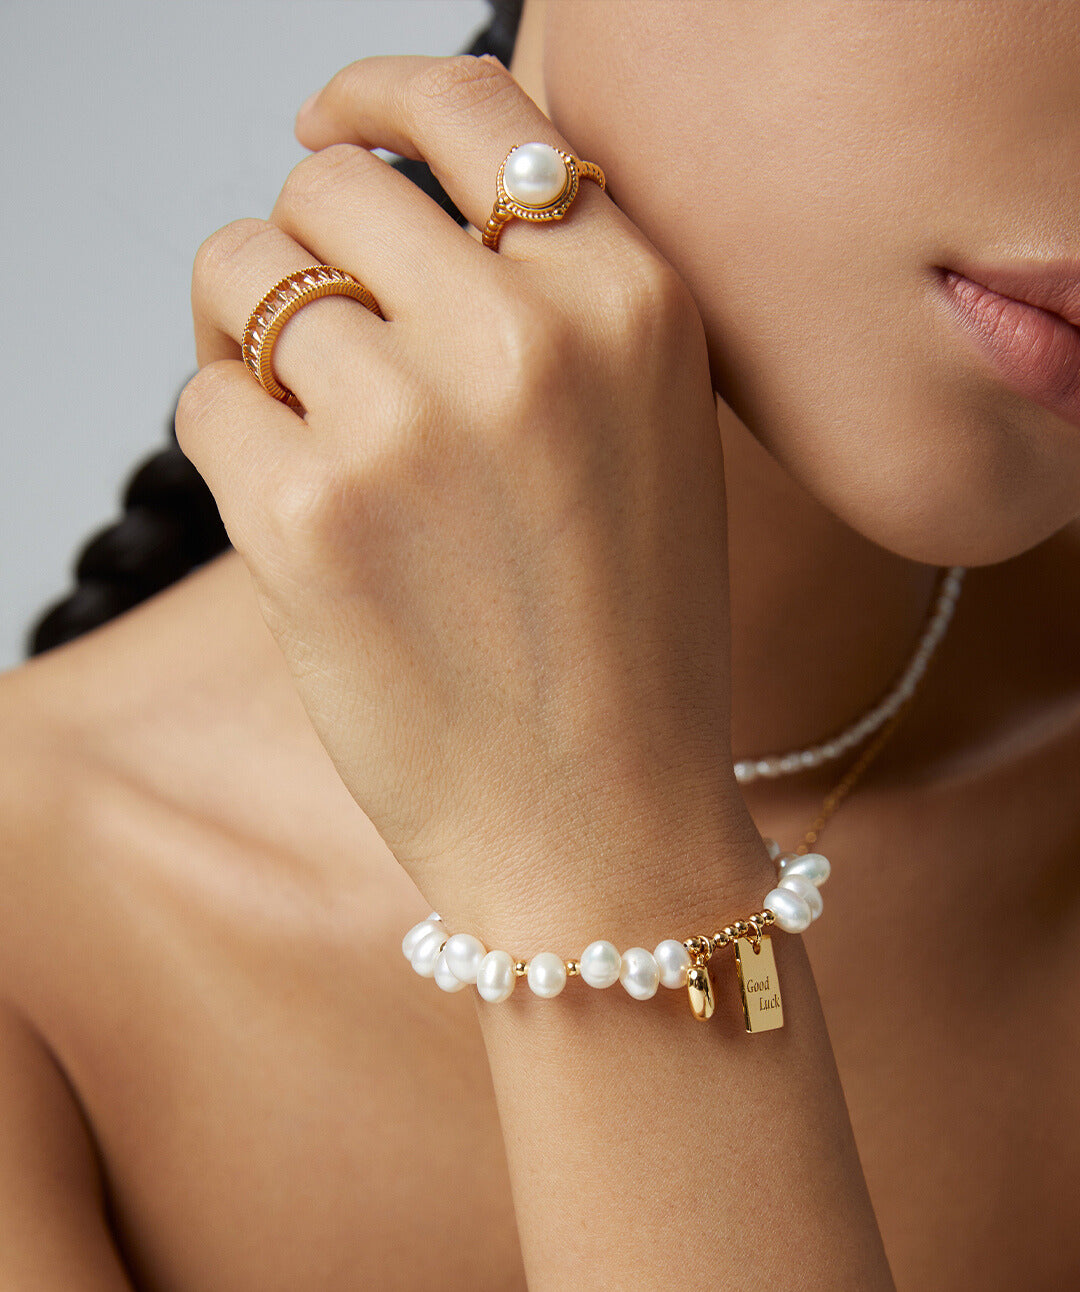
[647, 1147]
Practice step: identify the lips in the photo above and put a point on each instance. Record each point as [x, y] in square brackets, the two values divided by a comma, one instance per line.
[1026, 323]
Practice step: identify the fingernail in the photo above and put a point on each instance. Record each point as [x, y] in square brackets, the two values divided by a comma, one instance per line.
[307, 103]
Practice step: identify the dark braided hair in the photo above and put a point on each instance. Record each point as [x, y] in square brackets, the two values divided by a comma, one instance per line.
[170, 522]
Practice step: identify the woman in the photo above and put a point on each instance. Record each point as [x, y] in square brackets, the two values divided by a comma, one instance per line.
[485, 556]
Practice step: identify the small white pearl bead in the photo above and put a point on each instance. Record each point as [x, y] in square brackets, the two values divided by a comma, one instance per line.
[535, 175]
[495, 978]
[409, 941]
[640, 973]
[767, 767]
[673, 961]
[813, 865]
[600, 964]
[444, 975]
[463, 954]
[810, 758]
[806, 889]
[745, 772]
[792, 913]
[426, 952]
[771, 847]
[547, 974]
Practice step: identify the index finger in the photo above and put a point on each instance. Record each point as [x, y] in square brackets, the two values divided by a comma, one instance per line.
[461, 114]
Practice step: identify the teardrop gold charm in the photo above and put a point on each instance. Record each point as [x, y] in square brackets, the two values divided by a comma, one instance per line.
[699, 988]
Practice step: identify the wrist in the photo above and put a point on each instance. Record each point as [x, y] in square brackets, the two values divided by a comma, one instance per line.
[633, 878]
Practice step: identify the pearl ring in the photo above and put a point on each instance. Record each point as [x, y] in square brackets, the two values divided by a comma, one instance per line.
[536, 182]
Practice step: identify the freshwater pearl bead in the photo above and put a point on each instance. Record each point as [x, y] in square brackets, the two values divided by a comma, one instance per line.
[426, 952]
[806, 889]
[495, 978]
[640, 974]
[409, 941]
[444, 975]
[813, 865]
[547, 974]
[792, 913]
[771, 847]
[534, 175]
[463, 954]
[673, 960]
[600, 964]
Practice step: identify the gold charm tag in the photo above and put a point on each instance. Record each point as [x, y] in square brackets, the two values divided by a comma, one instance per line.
[699, 985]
[759, 984]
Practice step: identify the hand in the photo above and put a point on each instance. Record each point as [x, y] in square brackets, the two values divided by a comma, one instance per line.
[492, 549]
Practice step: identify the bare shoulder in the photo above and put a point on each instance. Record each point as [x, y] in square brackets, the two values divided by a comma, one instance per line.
[165, 758]
[54, 1232]
[203, 930]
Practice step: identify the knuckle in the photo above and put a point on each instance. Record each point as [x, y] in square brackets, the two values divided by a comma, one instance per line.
[458, 83]
[649, 292]
[217, 251]
[306, 510]
[201, 398]
[532, 346]
[318, 176]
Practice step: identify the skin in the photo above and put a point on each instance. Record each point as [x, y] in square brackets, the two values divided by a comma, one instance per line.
[207, 1016]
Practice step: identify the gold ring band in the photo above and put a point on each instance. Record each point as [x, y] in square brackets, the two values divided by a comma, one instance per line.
[280, 303]
[531, 171]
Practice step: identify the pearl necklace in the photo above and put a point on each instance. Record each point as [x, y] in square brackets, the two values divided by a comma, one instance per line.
[772, 765]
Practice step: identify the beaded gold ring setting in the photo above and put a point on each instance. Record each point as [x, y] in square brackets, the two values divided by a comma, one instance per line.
[279, 304]
[538, 182]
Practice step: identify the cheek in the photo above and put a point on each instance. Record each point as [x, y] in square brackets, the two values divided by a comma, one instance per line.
[805, 181]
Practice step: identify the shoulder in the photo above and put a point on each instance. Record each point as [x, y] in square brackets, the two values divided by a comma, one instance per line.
[50, 791]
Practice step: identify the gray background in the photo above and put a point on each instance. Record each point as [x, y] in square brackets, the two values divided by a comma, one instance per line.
[132, 129]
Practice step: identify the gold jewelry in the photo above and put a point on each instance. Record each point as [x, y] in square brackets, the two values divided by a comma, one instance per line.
[455, 960]
[280, 303]
[536, 182]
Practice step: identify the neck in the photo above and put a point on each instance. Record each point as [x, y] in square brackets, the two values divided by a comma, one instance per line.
[821, 619]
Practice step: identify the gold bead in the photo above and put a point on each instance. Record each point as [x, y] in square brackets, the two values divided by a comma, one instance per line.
[521, 968]
[720, 939]
[698, 945]
[573, 968]
[741, 928]
[729, 932]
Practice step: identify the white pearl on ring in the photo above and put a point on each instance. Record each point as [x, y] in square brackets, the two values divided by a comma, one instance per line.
[495, 978]
[640, 973]
[600, 963]
[547, 974]
[673, 960]
[535, 175]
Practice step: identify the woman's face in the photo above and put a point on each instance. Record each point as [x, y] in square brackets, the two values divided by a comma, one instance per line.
[810, 167]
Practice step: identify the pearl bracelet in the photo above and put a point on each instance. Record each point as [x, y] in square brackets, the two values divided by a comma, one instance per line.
[455, 960]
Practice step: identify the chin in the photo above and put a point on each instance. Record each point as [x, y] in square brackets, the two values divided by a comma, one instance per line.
[972, 499]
